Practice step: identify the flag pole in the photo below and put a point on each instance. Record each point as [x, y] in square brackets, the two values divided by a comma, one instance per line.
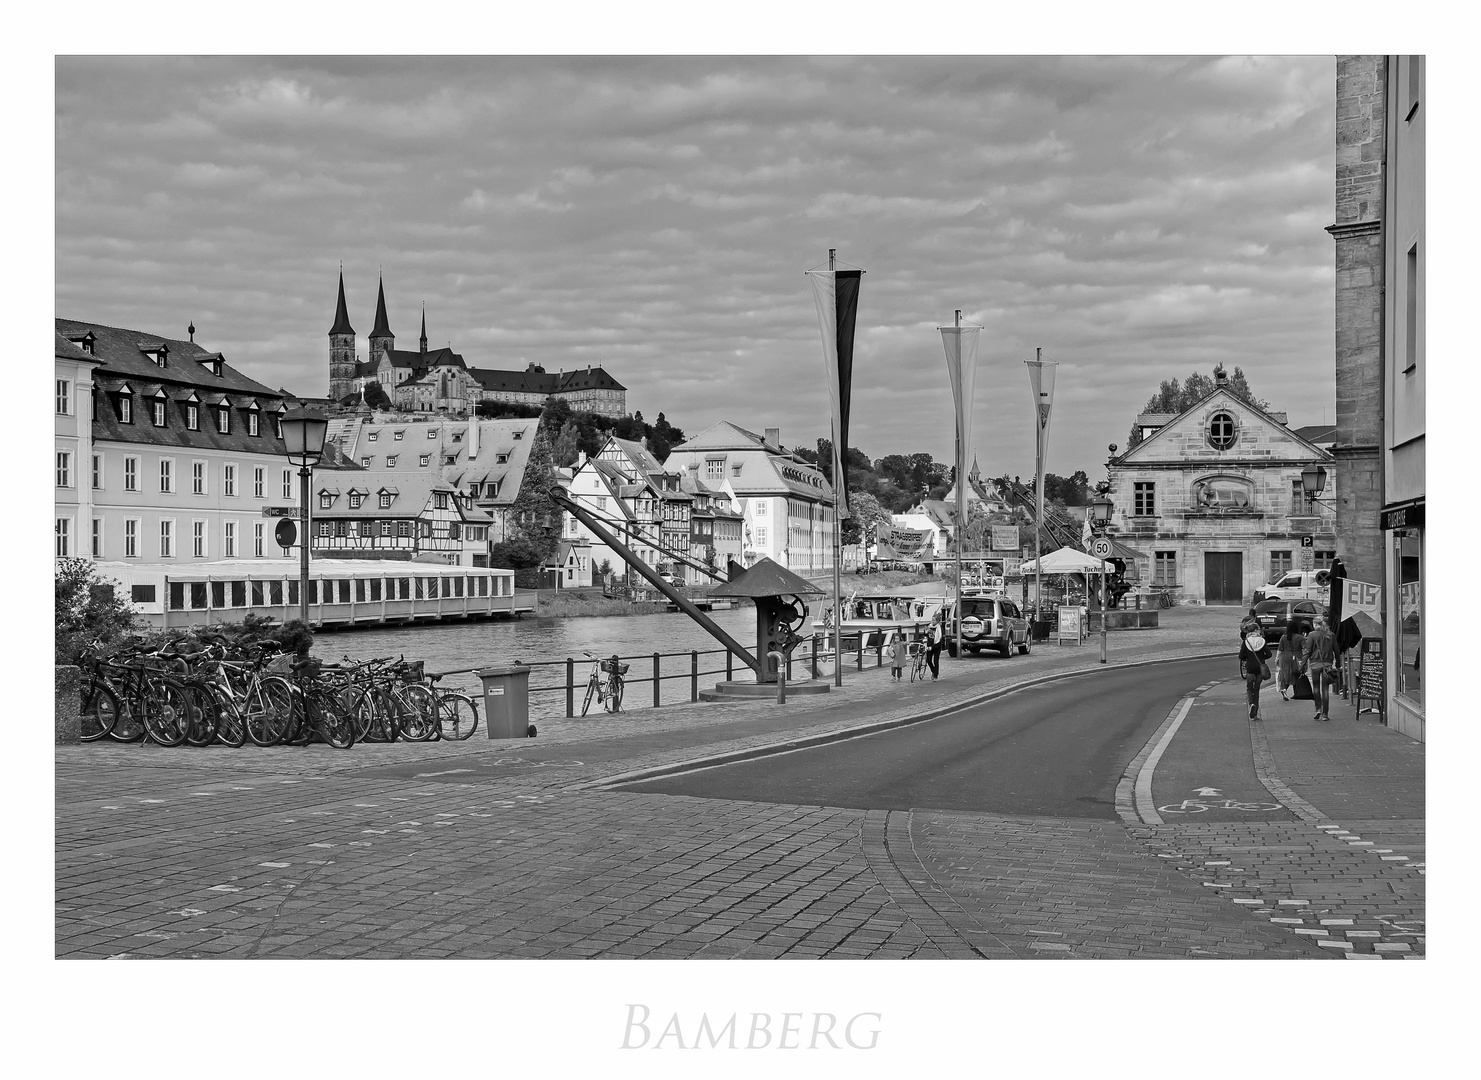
[961, 503]
[1038, 506]
[837, 547]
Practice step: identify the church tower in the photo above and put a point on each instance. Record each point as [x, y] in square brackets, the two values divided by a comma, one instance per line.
[382, 340]
[341, 349]
[424, 330]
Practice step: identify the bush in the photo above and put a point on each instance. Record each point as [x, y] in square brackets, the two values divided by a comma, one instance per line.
[88, 608]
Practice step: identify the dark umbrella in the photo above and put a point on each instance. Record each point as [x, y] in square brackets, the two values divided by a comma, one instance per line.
[1336, 576]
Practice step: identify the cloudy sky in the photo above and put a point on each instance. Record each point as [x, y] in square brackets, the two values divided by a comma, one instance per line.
[1136, 218]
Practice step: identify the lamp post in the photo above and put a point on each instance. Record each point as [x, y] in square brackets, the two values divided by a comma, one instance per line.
[303, 443]
[1100, 515]
[1313, 483]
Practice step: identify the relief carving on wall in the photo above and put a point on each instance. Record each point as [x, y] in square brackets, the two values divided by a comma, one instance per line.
[1223, 494]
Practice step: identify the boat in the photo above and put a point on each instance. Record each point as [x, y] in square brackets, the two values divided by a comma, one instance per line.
[876, 614]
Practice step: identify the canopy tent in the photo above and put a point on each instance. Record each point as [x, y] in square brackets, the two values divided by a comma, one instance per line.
[1065, 561]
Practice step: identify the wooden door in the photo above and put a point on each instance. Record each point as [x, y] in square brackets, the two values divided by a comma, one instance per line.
[1223, 577]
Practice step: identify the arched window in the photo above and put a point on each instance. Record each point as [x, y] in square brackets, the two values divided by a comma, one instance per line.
[1223, 431]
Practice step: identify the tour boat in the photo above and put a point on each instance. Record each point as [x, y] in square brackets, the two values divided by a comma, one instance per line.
[909, 608]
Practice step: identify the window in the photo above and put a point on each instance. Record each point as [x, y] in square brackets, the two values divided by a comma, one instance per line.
[501, 459]
[229, 480]
[760, 508]
[326, 500]
[125, 409]
[403, 528]
[193, 417]
[64, 397]
[396, 435]
[431, 433]
[64, 537]
[1298, 498]
[131, 474]
[257, 539]
[365, 463]
[252, 422]
[257, 477]
[1165, 568]
[457, 436]
[229, 539]
[1322, 560]
[372, 436]
[390, 461]
[519, 434]
[714, 468]
[278, 426]
[287, 484]
[198, 477]
[157, 412]
[385, 528]
[325, 529]
[440, 500]
[385, 500]
[341, 528]
[64, 469]
[355, 500]
[97, 471]
[198, 539]
[424, 459]
[131, 539]
[166, 474]
[1222, 431]
[223, 420]
[760, 534]
[167, 539]
[1280, 563]
[1144, 499]
[97, 538]
[735, 470]
[1408, 566]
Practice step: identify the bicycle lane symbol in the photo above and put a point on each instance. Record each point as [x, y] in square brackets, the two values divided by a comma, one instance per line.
[1199, 806]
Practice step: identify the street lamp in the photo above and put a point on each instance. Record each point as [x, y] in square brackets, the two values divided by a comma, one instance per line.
[1313, 482]
[1101, 509]
[303, 443]
[1100, 514]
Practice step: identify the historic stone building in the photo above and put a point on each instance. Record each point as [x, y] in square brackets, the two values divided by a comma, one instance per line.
[1214, 497]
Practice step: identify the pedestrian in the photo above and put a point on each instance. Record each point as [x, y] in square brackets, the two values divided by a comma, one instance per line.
[935, 641]
[897, 656]
[1320, 653]
[1253, 652]
[1249, 624]
[1289, 662]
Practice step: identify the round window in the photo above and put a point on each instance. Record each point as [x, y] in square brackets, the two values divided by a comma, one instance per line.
[1222, 431]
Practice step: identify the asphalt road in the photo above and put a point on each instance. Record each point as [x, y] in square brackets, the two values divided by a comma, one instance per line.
[1054, 750]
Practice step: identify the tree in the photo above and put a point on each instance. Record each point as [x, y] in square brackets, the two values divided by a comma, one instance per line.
[865, 513]
[88, 608]
[534, 514]
[1175, 398]
[566, 448]
[376, 397]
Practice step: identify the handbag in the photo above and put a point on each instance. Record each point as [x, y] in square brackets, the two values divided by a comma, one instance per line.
[1264, 671]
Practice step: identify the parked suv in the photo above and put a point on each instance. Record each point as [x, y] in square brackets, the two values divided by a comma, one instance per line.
[1297, 585]
[990, 622]
[1276, 616]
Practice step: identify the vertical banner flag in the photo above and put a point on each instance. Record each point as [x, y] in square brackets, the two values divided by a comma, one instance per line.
[1041, 380]
[960, 343]
[836, 293]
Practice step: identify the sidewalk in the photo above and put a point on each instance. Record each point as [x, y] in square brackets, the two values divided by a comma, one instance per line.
[1330, 845]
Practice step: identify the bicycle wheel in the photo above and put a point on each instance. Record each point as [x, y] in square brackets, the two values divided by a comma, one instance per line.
[329, 719]
[592, 690]
[267, 709]
[613, 703]
[129, 727]
[202, 729]
[166, 711]
[100, 711]
[360, 705]
[384, 716]
[231, 729]
[457, 716]
[419, 713]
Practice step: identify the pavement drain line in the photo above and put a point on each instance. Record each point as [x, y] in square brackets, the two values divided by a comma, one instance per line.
[772, 749]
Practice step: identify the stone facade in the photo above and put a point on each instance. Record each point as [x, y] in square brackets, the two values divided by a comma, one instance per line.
[1214, 493]
[1360, 184]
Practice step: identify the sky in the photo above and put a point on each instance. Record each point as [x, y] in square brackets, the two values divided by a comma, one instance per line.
[1136, 218]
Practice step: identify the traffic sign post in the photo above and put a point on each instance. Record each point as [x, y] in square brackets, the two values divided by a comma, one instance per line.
[1101, 547]
[1308, 554]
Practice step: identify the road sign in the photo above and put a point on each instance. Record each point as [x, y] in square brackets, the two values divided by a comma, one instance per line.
[283, 512]
[286, 533]
[1306, 560]
[1308, 541]
[1101, 547]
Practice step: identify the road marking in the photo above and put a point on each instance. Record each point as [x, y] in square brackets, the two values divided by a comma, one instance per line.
[1394, 858]
[223, 888]
[1278, 919]
[1335, 944]
[1336, 922]
[1207, 791]
[1145, 807]
[274, 865]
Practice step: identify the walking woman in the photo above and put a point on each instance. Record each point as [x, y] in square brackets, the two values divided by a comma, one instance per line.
[1288, 669]
[935, 641]
[1253, 652]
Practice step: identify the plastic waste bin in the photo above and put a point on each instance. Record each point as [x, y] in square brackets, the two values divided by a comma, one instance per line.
[506, 701]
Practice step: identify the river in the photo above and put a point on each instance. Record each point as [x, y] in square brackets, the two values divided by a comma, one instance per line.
[636, 638]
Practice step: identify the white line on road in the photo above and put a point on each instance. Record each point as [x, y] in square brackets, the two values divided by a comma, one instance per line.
[1147, 809]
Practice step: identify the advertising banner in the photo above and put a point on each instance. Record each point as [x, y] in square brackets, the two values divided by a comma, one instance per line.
[1005, 537]
[1362, 596]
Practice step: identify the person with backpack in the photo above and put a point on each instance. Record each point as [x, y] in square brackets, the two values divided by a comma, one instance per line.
[1320, 656]
[1253, 652]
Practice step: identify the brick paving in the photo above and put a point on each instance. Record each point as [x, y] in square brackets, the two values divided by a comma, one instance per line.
[508, 849]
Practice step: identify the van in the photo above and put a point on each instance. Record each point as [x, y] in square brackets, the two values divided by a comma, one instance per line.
[1298, 585]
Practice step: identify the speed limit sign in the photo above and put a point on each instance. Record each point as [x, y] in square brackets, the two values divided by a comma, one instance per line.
[1100, 547]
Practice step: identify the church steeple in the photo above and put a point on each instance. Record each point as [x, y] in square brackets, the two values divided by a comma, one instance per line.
[341, 312]
[424, 329]
[381, 340]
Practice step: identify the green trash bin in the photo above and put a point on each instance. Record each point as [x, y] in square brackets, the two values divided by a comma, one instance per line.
[506, 701]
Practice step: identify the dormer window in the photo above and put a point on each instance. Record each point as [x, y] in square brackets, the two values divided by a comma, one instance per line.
[385, 500]
[397, 435]
[519, 434]
[223, 419]
[157, 412]
[355, 500]
[501, 459]
[212, 362]
[372, 436]
[450, 459]
[158, 354]
[472, 491]
[252, 421]
[390, 461]
[192, 417]
[326, 500]
[431, 433]
[457, 436]
[425, 458]
[84, 342]
[440, 500]
[125, 407]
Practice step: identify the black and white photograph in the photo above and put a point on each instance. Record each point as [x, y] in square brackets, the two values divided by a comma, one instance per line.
[705, 503]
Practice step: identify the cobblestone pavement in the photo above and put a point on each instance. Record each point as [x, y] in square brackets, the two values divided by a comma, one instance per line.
[505, 849]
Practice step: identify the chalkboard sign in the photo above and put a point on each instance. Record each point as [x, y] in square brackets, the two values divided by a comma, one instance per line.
[1069, 626]
[1370, 674]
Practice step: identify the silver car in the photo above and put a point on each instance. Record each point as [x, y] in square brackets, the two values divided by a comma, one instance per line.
[991, 622]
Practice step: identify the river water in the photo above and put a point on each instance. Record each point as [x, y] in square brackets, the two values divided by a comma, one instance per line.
[455, 646]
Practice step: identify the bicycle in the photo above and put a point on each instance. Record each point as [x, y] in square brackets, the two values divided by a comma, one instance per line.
[317, 713]
[917, 652]
[605, 683]
[1164, 599]
[457, 713]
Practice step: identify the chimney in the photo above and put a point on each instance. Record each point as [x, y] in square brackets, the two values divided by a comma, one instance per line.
[580, 458]
[774, 436]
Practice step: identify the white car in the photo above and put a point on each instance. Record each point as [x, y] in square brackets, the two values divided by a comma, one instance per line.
[1298, 585]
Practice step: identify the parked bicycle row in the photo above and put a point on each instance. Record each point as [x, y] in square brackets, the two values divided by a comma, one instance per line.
[208, 690]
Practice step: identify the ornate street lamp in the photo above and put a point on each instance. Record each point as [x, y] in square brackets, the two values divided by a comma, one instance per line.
[1313, 481]
[303, 443]
[1101, 508]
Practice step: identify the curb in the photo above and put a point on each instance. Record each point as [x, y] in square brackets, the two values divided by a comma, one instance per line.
[772, 749]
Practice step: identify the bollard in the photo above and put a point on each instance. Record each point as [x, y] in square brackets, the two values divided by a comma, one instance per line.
[781, 677]
[693, 676]
[657, 686]
[879, 652]
[789, 665]
[861, 650]
[1102, 637]
[815, 672]
[570, 688]
[729, 660]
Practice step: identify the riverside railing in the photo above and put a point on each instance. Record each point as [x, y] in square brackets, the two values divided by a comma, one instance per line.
[572, 675]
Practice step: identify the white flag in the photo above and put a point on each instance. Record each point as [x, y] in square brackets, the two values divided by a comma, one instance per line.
[960, 343]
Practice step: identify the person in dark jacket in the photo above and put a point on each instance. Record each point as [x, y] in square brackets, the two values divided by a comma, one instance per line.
[1320, 655]
[1252, 666]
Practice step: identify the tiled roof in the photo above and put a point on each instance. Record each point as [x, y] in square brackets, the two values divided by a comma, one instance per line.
[543, 382]
[118, 350]
[413, 493]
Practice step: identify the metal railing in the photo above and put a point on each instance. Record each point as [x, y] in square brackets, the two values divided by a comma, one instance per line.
[809, 657]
